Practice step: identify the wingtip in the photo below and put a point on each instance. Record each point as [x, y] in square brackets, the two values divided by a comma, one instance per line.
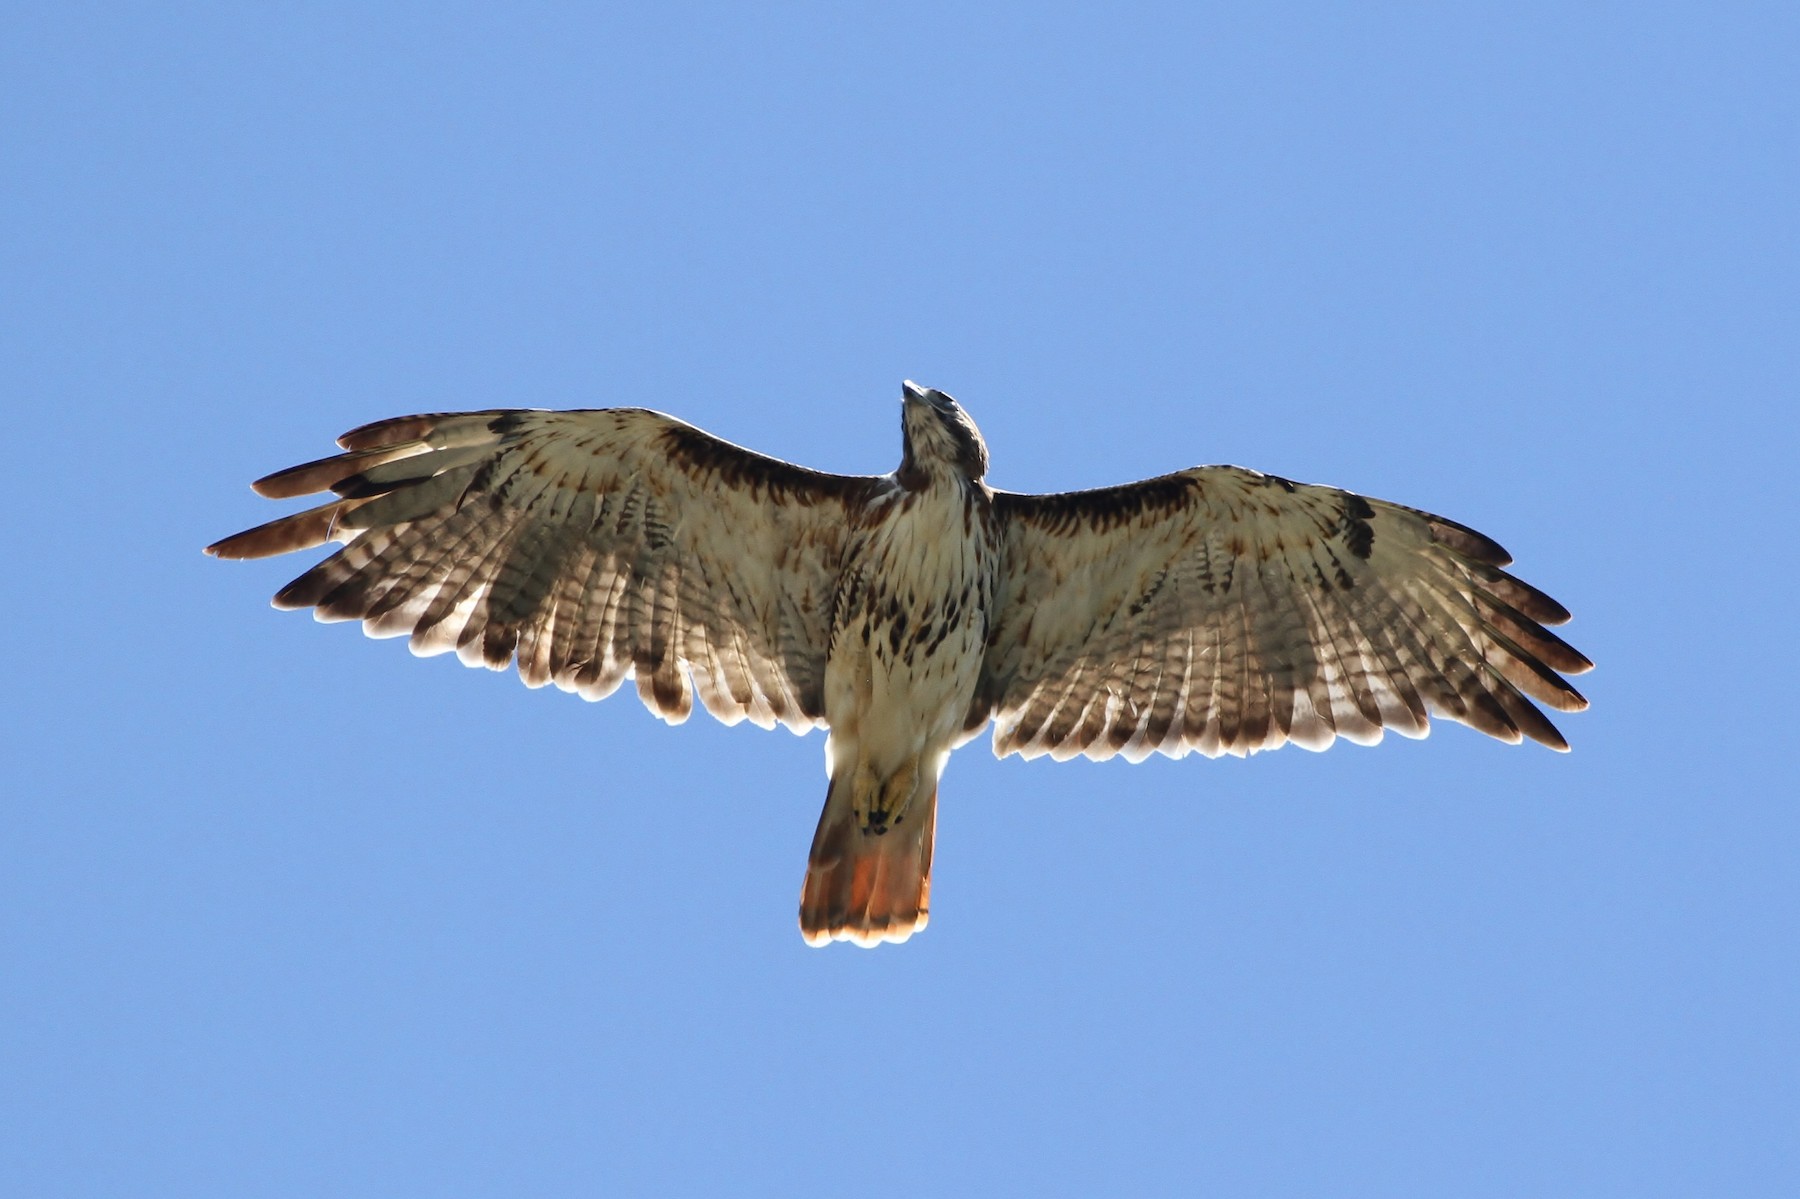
[1548, 735]
[268, 487]
[228, 548]
[1471, 543]
[1559, 743]
[393, 430]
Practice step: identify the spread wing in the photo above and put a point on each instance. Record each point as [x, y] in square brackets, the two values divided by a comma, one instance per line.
[587, 546]
[1227, 611]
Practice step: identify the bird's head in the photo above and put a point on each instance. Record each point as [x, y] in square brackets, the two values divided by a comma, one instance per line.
[938, 434]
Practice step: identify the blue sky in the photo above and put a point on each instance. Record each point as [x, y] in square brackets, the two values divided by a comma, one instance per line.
[287, 912]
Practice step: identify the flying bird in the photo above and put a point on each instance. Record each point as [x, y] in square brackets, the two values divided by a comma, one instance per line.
[1214, 609]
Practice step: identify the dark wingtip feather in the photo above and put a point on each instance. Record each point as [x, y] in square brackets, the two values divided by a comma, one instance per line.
[1468, 542]
[301, 531]
[333, 473]
[304, 479]
[1527, 637]
[1565, 657]
[387, 432]
[1531, 721]
[1485, 713]
[1521, 595]
[309, 589]
[1551, 739]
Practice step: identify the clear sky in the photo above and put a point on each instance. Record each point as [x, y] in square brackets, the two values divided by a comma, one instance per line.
[287, 912]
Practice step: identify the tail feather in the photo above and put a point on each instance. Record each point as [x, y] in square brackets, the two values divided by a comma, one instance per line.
[867, 886]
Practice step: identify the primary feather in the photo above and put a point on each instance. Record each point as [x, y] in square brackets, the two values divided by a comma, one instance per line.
[1216, 609]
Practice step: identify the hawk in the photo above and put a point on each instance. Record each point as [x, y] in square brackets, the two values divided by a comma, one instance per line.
[1214, 609]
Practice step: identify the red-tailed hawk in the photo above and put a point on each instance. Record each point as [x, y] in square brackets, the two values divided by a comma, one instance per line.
[1214, 609]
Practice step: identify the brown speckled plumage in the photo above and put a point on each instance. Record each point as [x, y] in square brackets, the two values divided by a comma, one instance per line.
[1215, 609]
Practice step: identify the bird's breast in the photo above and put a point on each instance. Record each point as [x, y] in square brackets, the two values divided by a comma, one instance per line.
[910, 622]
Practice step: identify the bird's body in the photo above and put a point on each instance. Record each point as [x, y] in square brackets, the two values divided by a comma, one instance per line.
[909, 633]
[1215, 609]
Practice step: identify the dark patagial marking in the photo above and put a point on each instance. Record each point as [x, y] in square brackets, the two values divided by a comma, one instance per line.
[703, 454]
[1099, 510]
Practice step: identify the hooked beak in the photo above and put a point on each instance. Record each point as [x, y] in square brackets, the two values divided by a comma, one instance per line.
[912, 393]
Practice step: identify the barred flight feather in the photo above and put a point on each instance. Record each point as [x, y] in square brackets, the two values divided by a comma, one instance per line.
[551, 539]
[1215, 610]
[1315, 614]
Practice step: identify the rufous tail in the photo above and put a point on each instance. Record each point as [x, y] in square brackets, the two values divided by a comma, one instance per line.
[868, 879]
